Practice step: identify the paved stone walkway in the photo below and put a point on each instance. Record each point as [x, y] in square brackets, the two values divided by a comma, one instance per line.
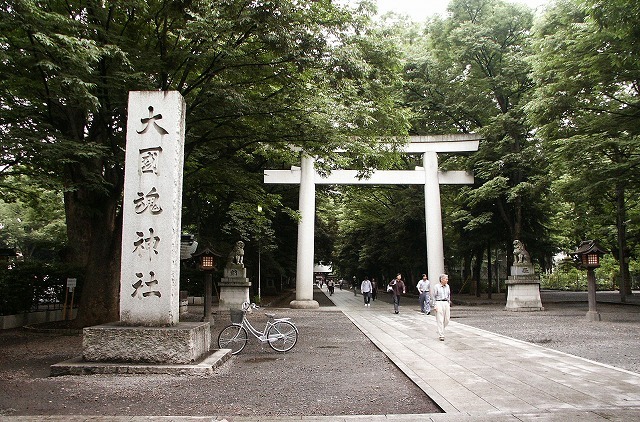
[478, 375]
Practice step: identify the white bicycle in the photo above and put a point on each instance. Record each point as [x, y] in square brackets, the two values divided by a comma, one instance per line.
[280, 333]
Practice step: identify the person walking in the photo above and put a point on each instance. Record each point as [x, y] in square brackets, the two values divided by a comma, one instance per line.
[423, 299]
[442, 303]
[365, 288]
[354, 283]
[374, 289]
[397, 288]
[330, 286]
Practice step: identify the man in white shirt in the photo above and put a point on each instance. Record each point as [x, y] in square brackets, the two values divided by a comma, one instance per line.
[442, 304]
[423, 289]
[365, 288]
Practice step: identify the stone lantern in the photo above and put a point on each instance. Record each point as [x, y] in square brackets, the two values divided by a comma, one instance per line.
[207, 263]
[587, 256]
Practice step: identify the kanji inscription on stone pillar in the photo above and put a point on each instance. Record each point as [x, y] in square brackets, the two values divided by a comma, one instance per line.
[150, 263]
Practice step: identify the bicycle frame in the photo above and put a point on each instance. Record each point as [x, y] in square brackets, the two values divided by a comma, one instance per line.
[280, 333]
[260, 335]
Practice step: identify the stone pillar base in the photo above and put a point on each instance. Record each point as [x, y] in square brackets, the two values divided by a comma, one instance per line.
[304, 304]
[593, 316]
[184, 343]
[523, 295]
[523, 289]
[234, 291]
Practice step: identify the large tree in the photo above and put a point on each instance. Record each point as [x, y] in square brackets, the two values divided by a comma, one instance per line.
[258, 77]
[472, 75]
[587, 105]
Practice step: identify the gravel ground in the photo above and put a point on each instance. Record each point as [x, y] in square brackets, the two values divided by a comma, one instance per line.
[562, 326]
[333, 370]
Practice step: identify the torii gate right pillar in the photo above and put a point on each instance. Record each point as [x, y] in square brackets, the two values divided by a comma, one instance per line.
[433, 217]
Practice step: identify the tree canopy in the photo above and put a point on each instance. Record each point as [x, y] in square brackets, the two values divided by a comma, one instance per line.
[258, 77]
[555, 98]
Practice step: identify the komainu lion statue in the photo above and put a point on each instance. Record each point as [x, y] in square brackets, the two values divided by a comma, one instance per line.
[236, 256]
[520, 254]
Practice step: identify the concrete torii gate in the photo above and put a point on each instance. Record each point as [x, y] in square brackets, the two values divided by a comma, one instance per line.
[429, 176]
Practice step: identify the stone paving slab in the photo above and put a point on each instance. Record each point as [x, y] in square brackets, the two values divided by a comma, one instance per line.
[475, 372]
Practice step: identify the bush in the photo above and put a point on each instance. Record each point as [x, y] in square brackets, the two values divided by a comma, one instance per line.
[568, 277]
[24, 285]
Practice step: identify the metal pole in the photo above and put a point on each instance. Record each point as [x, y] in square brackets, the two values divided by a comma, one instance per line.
[259, 274]
[208, 292]
[593, 314]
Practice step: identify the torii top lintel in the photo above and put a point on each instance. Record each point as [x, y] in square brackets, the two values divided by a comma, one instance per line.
[443, 143]
[417, 144]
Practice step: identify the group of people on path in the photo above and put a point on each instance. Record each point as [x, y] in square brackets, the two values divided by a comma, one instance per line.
[439, 296]
[436, 299]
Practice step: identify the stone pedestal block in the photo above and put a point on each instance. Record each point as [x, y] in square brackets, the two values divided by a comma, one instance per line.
[523, 289]
[304, 304]
[184, 343]
[235, 271]
[234, 291]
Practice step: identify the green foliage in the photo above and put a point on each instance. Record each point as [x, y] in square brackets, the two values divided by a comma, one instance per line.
[566, 276]
[258, 78]
[470, 73]
[24, 285]
[192, 279]
[586, 104]
[381, 231]
[31, 218]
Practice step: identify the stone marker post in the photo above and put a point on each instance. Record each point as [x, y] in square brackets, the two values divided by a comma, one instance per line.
[150, 265]
[149, 330]
[234, 286]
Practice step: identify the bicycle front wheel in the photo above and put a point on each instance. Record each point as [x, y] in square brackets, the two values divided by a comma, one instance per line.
[282, 336]
[233, 337]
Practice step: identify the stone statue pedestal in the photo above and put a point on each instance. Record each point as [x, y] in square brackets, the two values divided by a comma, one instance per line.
[523, 289]
[234, 287]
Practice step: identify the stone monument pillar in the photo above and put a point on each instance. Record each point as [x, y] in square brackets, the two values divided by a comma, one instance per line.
[523, 285]
[234, 286]
[149, 330]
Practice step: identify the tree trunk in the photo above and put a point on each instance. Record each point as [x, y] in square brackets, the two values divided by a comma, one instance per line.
[94, 233]
[489, 278]
[625, 285]
[477, 268]
[466, 273]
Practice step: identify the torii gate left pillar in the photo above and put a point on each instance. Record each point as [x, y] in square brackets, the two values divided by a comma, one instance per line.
[306, 243]
[429, 176]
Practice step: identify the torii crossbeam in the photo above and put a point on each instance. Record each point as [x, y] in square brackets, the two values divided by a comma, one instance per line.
[428, 175]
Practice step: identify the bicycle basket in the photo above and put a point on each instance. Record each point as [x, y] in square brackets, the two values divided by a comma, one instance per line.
[236, 315]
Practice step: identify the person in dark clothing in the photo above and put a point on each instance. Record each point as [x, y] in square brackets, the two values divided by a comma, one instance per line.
[397, 288]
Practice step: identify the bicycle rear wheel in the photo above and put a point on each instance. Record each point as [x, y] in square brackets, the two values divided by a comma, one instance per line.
[282, 336]
[233, 337]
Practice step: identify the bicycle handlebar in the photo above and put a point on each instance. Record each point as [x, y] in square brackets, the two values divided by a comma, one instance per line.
[246, 306]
